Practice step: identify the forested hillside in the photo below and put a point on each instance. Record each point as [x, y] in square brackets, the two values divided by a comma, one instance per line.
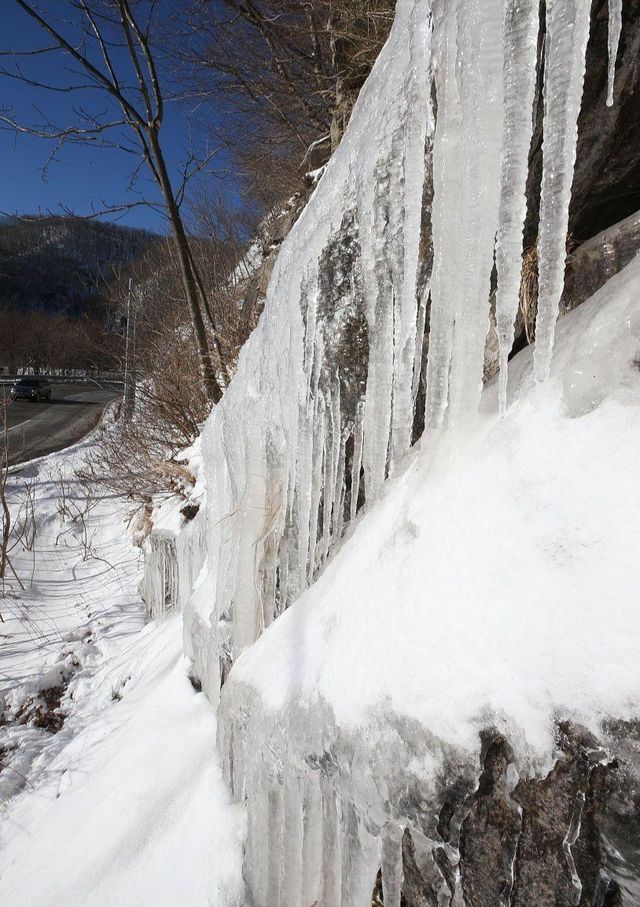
[61, 264]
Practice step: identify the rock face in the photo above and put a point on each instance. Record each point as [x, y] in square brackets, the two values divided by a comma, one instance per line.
[606, 184]
[598, 259]
[571, 839]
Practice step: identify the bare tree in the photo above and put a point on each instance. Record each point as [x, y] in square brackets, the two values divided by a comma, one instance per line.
[109, 46]
[287, 72]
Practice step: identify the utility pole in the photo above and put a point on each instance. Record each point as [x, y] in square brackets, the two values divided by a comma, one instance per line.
[129, 394]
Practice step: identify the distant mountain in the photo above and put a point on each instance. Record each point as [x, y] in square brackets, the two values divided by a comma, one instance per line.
[59, 264]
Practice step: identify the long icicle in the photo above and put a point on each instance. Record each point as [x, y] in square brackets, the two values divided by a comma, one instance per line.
[615, 30]
[521, 20]
[566, 47]
[480, 61]
[446, 214]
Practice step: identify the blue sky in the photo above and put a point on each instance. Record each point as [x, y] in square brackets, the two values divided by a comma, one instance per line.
[81, 176]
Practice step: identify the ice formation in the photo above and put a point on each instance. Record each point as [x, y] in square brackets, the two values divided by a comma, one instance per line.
[296, 446]
[298, 442]
[288, 445]
[565, 50]
[615, 30]
[521, 39]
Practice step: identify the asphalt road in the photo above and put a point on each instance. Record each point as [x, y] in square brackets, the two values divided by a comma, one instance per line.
[36, 429]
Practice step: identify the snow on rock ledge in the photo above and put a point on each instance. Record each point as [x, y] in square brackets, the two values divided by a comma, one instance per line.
[482, 622]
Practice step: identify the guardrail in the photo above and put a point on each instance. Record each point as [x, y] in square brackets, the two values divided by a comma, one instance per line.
[99, 380]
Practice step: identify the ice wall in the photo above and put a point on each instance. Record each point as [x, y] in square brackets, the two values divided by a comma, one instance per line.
[300, 440]
[298, 443]
[289, 445]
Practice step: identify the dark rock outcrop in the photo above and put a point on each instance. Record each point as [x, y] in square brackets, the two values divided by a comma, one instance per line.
[570, 839]
[606, 183]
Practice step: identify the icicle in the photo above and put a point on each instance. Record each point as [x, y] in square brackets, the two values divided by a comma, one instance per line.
[520, 55]
[446, 217]
[292, 836]
[417, 356]
[247, 607]
[275, 833]
[615, 30]
[313, 367]
[566, 46]
[312, 842]
[360, 859]
[316, 485]
[356, 464]
[480, 52]
[333, 436]
[392, 865]
[420, 122]
[257, 855]
[331, 851]
[379, 308]
[339, 494]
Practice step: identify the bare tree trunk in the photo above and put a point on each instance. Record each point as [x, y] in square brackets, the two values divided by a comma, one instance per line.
[207, 370]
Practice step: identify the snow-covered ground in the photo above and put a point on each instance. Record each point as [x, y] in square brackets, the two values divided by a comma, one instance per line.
[110, 786]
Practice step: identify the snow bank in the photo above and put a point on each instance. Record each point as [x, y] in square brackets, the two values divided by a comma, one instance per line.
[133, 809]
[493, 586]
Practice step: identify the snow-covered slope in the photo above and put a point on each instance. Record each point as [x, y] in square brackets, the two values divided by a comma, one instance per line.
[495, 585]
[110, 785]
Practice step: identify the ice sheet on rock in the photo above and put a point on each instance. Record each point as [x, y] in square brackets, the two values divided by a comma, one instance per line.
[276, 446]
[566, 45]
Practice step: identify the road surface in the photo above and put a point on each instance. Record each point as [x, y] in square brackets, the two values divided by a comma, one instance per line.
[36, 429]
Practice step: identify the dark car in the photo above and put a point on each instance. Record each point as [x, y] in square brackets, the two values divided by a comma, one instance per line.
[31, 389]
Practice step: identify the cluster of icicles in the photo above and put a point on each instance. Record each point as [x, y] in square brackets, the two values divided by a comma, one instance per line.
[296, 445]
[287, 461]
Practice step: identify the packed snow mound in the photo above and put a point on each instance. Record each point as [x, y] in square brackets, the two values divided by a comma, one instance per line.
[133, 810]
[495, 584]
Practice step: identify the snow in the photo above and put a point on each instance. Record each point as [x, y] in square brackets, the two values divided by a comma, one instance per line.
[493, 585]
[125, 803]
[133, 809]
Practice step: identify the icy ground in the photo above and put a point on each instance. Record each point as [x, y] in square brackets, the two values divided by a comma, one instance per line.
[110, 788]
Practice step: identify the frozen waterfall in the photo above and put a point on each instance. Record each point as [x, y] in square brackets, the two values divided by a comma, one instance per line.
[301, 438]
[379, 305]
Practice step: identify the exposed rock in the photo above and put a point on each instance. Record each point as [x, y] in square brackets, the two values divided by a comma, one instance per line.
[595, 261]
[570, 839]
[606, 184]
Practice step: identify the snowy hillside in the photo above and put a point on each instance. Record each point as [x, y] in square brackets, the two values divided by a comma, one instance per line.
[108, 767]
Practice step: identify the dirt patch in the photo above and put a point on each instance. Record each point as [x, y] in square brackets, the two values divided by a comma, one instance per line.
[43, 711]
